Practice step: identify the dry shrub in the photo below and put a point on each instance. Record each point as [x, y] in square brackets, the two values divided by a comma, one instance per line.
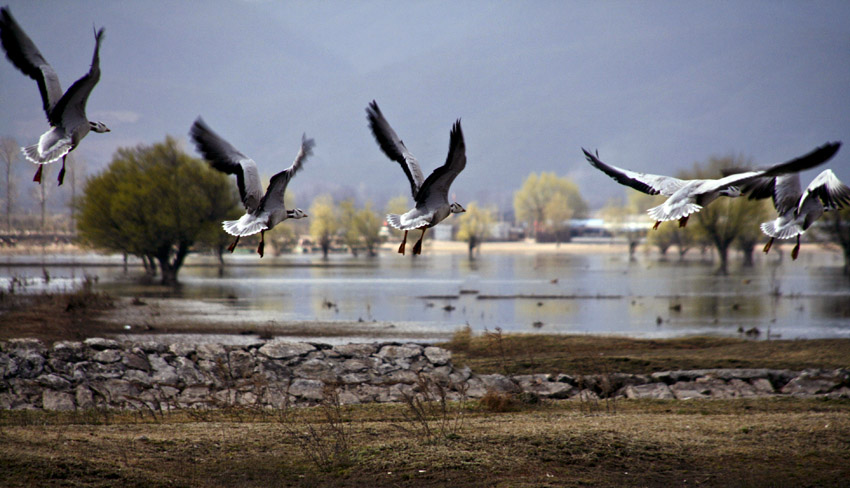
[461, 339]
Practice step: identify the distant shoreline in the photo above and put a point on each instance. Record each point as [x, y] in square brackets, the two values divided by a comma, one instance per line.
[614, 246]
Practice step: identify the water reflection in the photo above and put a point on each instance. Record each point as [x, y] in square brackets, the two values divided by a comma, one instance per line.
[565, 293]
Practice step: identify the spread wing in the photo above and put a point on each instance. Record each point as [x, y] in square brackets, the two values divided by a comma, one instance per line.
[70, 111]
[225, 158]
[393, 147]
[831, 191]
[22, 52]
[277, 186]
[435, 189]
[754, 179]
[814, 158]
[646, 183]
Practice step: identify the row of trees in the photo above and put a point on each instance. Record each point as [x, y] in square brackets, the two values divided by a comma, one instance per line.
[158, 203]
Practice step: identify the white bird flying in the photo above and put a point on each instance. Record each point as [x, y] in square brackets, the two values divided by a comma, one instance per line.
[797, 209]
[431, 194]
[66, 112]
[264, 211]
[687, 197]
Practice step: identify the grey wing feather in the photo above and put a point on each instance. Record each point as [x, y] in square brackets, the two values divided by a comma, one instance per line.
[394, 147]
[435, 189]
[646, 183]
[227, 159]
[22, 52]
[277, 185]
[70, 111]
[787, 192]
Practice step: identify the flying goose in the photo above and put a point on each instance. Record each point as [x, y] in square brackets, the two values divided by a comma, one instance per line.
[264, 211]
[797, 209]
[431, 194]
[687, 197]
[66, 112]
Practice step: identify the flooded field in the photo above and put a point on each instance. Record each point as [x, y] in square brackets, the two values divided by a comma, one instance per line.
[429, 297]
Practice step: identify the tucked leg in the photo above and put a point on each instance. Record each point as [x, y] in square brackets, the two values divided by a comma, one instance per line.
[767, 246]
[417, 248]
[683, 221]
[403, 242]
[37, 177]
[233, 246]
[62, 172]
[262, 245]
[796, 250]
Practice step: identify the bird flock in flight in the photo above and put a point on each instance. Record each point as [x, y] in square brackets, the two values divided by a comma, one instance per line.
[66, 114]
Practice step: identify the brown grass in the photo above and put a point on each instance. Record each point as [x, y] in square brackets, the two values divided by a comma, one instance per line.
[586, 354]
[767, 442]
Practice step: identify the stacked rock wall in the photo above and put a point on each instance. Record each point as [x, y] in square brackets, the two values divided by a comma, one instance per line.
[106, 373]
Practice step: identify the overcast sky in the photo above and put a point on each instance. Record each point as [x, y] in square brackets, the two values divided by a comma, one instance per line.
[654, 86]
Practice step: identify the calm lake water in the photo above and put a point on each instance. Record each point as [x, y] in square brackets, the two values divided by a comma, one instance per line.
[548, 293]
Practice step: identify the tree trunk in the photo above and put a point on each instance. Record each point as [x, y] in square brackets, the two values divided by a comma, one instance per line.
[847, 260]
[169, 268]
[748, 249]
[325, 243]
[723, 254]
[473, 243]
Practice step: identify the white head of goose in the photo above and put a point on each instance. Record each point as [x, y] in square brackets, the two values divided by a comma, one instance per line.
[431, 194]
[263, 211]
[66, 112]
[687, 197]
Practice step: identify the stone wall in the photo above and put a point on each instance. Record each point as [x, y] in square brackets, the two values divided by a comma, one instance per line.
[106, 373]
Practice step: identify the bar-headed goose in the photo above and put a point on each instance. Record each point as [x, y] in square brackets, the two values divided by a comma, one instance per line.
[66, 112]
[687, 197]
[797, 209]
[264, 211]
[431, 194]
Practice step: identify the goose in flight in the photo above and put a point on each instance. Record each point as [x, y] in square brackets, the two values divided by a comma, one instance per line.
[263, 211]
[686, 197]
[431, 194]
[66, 112]
[797, 209]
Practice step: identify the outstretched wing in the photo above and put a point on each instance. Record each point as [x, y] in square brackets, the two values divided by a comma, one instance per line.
[435, 189]
[225, 158]
[829, 189]
[22, 52]
[277, 186]
[70, 111]
[646, 183]
[393, 147]
[814, 158]
[743, 180]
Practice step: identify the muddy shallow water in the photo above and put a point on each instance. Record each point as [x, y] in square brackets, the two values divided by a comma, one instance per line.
[427, 298]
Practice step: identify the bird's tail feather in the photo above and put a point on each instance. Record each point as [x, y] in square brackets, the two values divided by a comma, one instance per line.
[32, 154]
[781, 232]
[394, 220]
[664, 213]
[247, 225]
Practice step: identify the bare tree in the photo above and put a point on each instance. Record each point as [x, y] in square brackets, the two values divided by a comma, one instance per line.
[41, 193]
[77, 175]
[8, 154]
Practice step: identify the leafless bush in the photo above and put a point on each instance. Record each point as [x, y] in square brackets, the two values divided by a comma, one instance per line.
[430, 413]
[327, 443]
